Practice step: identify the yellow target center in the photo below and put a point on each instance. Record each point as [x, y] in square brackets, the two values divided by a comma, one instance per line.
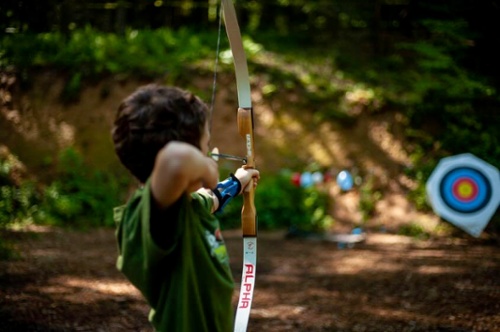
[465, 189]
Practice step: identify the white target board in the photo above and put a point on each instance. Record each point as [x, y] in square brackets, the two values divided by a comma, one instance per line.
[465, 191]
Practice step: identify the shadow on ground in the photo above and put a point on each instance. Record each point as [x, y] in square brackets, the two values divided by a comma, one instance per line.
[66, 281]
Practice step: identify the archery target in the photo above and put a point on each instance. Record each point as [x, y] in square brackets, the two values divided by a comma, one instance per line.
[464, 190]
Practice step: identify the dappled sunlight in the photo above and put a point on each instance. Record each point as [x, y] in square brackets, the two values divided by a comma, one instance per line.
[29, 130]
[434, 254]
[292, 125]
[371, 145]
[345, 209]
[389, 240]
[64, 132]
[389, 279]
[279, 276]
[310, 72]
[38, 125]
[279, 311]
[404, 313]
[364, 264]
[380, 134]
[326, 147]
[48, 253]
[360, 262]
[319, 153]
[290, 133]
[101, 285]
[37, 229]
[394, 209]
[374, 257]
[85, 289]
[34, 122]
[332, 142]
[437, 269]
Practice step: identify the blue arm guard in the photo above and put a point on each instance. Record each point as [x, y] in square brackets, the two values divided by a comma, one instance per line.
[226, 190]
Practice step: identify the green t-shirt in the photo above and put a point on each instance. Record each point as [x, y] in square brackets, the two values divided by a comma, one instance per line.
[183, 269]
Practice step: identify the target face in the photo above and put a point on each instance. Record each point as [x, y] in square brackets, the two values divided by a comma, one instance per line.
[464, 190]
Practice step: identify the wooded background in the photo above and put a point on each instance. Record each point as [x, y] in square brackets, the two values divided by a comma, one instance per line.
[436, 62]
[382, 21]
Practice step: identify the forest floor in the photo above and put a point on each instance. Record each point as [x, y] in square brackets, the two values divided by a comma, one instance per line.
[67, 281]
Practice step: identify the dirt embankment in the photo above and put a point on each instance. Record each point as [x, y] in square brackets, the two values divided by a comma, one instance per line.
[35, 125]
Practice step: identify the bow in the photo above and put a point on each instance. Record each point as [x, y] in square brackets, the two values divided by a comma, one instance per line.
[245, 129]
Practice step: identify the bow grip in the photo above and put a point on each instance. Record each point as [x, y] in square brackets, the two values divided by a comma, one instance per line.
[248, 213]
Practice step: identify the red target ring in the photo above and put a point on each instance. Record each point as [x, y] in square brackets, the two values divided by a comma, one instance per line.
[465, 190]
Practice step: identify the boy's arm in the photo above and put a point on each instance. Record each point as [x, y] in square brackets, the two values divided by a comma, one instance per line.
[180, 168]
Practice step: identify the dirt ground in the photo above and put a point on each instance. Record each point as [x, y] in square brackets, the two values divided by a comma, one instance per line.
[67, 281]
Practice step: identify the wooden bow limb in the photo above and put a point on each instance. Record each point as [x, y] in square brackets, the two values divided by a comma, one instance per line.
[245, 128]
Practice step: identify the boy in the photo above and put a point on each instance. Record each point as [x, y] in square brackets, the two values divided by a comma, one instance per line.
[170, 244]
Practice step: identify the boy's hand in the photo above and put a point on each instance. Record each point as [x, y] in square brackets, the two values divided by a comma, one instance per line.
[245, 175]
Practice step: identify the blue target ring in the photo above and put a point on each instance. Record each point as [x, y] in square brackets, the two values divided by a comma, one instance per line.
[465, 190]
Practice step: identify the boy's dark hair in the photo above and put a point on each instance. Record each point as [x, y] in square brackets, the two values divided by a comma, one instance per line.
[151, 117]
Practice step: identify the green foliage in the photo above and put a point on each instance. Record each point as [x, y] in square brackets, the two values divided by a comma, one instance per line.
[7, 250]
[445, 93]
[315, 206]
[80, 196]
[419, 195]
[368, 199]
[88, 53]
[18, 199]
[414, 230]
[72, 88]
[18, 203]
[280, 204]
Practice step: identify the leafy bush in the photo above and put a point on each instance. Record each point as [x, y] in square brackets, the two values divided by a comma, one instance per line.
[445, 97]
[80, 196]
[19, 198]
[18, 204]
[414, 230]
[91, 53]
[368, 198]
[280, 204]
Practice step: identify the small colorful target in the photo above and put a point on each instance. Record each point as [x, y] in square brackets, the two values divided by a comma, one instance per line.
[464, 190]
